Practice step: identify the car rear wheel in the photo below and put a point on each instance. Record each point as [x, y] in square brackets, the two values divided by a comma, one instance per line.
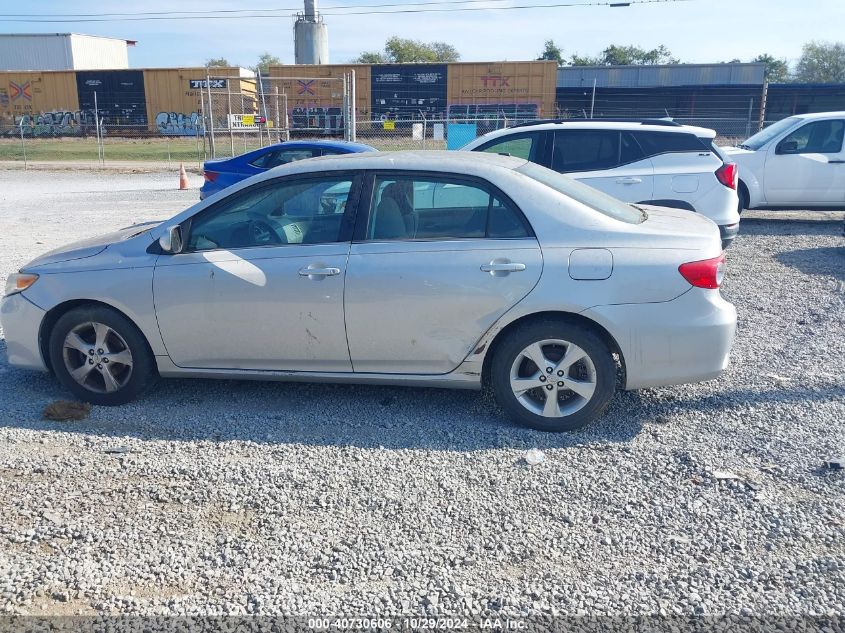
[553, 376]
[101, 356]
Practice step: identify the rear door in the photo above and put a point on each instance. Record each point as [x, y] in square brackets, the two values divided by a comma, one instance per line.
[436, 261]
[807, 166]
[609, 160]
[684, 165]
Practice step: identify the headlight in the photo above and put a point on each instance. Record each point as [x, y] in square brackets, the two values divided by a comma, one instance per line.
[18, 282]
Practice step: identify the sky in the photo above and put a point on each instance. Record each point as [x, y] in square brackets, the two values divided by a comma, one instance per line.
[693, 30]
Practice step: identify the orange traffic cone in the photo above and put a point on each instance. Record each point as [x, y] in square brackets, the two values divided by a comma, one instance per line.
[183, 177]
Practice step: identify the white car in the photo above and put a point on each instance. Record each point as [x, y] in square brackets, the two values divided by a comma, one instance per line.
[656, 162]
[439, 269]
[796, 162]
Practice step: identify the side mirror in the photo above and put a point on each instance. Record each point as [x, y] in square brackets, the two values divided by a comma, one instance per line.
[788, 147]
[171, 241]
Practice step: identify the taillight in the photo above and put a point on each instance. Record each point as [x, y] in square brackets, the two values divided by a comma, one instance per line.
[705, 273]
[728, 175]
[210, 176]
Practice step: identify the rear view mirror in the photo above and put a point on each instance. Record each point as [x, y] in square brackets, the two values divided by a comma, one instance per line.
[788, 147]
[171, 241]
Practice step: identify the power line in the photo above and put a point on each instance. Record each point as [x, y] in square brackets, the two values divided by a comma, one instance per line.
[275, 13]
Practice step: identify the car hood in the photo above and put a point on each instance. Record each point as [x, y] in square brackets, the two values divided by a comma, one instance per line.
[89, 247]
[735, 152]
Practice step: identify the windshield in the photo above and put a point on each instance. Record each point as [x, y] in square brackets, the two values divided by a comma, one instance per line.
[580, 192]
[764, 136]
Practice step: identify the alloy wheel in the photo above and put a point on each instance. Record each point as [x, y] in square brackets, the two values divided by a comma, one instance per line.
[553, 378]
[97, 357]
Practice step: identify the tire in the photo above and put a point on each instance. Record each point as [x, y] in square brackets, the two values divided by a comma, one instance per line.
[595, 373]
[742, 192]
[96, 342]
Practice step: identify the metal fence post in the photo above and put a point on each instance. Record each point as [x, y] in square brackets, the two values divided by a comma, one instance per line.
[23, 145]
[763, 104]
[210, 116]
[353, 108]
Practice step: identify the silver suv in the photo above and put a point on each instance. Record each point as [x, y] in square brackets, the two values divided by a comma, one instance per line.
[656, 162]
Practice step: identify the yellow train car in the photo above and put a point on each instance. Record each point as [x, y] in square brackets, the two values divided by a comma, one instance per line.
[497, 89]
[44, 100]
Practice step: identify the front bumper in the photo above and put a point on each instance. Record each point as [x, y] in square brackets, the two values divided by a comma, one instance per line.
[675, 342]
[21, 321]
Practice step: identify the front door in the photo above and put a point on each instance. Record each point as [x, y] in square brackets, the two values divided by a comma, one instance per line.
[260, 284]
[436, 262]
[807, 167]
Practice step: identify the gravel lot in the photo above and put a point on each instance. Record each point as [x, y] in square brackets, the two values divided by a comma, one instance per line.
[238, 497]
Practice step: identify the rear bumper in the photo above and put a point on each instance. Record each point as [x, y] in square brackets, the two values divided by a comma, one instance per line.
[21, 321]
[675, 342]
[728, 233]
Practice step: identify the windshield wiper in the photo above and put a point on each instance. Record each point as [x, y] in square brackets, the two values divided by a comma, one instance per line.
[744, 146]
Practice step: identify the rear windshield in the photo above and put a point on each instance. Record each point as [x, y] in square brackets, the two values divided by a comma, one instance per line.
[580, 192]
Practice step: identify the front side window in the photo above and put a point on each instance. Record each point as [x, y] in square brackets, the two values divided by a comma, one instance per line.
[585, 150]
[525, 146]
[431, 208]
[819, 137]
[303, 211]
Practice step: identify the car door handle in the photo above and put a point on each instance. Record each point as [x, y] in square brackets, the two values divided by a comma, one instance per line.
[628, 181]
[835, 162]
[318, 272]
[502, 267]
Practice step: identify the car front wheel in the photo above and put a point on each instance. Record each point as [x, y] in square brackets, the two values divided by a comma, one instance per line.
[553, 375]
[101, 356]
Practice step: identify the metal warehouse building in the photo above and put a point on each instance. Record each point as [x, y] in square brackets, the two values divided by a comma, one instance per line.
[62, 51]
[731, 98]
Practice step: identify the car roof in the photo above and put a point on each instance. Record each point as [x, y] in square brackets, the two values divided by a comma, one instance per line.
[598, 124]
[328, 143]
[410, 160]
[820, 115]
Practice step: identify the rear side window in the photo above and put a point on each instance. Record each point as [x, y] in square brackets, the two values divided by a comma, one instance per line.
[440, 208]
[656, 143]
[281, 157]
[525, 146]
[585, 150]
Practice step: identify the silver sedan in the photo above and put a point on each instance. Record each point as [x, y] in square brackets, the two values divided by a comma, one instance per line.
[426, 269]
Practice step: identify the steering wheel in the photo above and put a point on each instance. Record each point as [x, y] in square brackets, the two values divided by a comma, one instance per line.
[262, 232]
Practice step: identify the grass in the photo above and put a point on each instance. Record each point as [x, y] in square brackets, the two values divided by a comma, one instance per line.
[174, 149]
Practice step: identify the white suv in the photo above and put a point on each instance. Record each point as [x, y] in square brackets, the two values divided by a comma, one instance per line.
[797, 162]
[655, 162]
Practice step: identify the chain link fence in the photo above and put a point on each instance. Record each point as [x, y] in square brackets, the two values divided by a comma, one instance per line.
[232, 130]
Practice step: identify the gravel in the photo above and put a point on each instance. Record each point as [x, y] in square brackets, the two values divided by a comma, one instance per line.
[224, 497]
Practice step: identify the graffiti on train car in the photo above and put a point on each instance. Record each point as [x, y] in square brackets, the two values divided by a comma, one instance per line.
[178, 123]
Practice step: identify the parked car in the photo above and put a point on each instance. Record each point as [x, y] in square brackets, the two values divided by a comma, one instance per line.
[796, 162]
[439, 269]
[657, 162]
[225, 172]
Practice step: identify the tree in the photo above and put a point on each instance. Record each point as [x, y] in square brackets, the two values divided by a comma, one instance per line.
[777, 70]
[552, 52]
[218, 62]
[821, 63]
[398, 50]
[371, 57]
[265, 60]
[615, 55]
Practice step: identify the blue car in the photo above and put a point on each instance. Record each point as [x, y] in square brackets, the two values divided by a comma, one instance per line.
[222, 173]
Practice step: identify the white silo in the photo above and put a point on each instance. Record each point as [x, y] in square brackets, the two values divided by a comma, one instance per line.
[311, 37]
